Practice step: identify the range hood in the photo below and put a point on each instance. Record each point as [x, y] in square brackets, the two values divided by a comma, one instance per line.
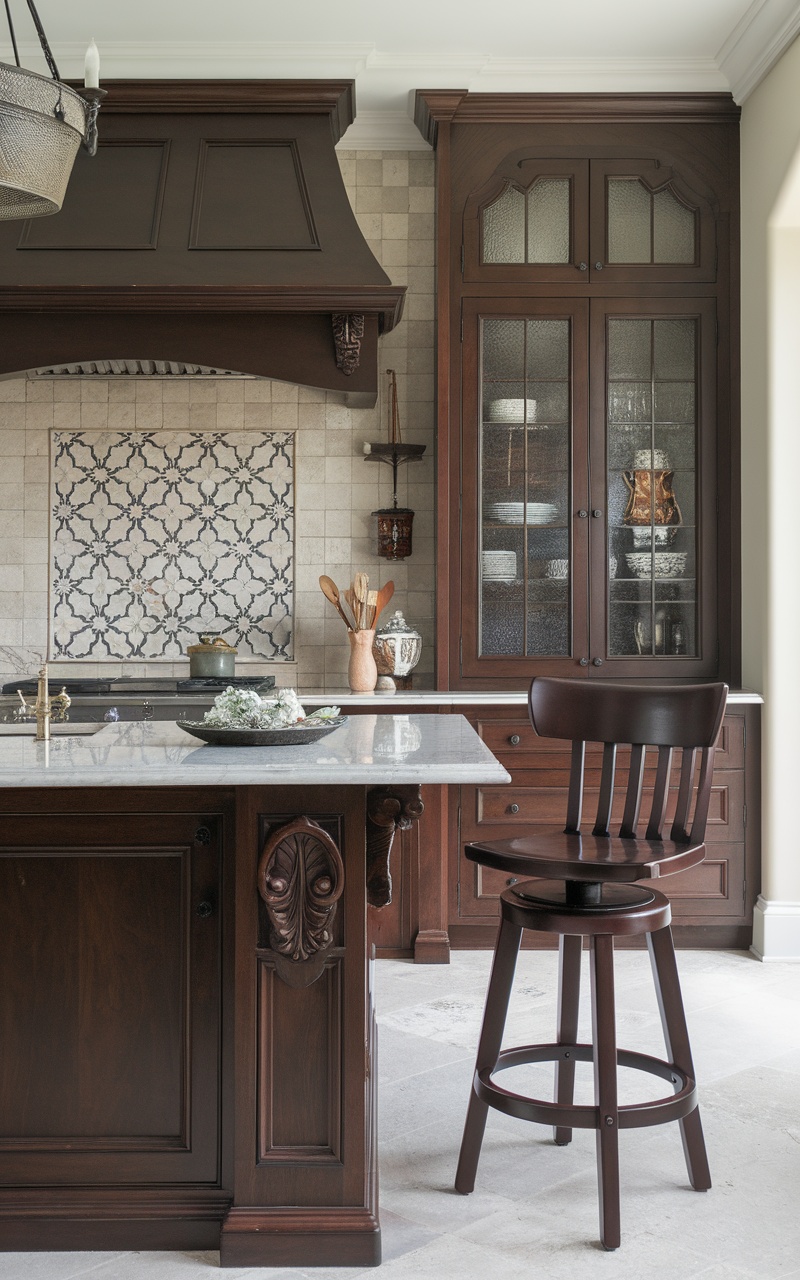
[212, 231]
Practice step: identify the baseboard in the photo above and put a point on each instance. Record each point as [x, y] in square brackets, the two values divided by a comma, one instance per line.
[336, 1236]
[776, 930]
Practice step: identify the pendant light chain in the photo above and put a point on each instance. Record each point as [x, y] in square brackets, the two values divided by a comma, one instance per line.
[11, 33]
[46, 50]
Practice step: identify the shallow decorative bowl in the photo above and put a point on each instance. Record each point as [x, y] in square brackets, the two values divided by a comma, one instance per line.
[665, 564]
[292, 736]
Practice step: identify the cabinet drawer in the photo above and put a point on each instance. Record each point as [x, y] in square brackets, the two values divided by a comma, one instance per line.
[521, 806]
[514, 740]
[714, 888]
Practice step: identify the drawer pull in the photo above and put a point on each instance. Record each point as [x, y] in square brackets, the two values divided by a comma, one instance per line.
[513, 808]
[514, 739]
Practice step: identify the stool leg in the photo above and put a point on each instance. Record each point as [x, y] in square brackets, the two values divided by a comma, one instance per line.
[494, 1021]
[569, 988]
[604, 1037]
[676, 1035]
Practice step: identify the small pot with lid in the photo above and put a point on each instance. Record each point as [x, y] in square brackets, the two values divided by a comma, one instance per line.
[211, 658]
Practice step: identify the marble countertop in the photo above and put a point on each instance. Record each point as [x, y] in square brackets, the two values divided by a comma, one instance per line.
[453, 698]
[367, 750]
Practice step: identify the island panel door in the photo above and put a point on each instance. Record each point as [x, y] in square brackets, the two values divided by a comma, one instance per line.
[109, 999]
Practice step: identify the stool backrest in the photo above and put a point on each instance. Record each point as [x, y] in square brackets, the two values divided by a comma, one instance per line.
[666, 717]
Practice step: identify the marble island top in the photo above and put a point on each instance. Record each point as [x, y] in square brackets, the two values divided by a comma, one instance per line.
[366, 750]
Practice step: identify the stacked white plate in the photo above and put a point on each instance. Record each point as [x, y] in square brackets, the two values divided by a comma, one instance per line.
[515, 512]
[499, 566]
[512, 411]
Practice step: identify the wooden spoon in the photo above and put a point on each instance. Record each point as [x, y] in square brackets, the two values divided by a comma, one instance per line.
[361, 592]
[331, 592]
[384, 596]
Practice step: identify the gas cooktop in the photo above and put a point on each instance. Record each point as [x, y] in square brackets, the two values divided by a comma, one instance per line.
[144, 686]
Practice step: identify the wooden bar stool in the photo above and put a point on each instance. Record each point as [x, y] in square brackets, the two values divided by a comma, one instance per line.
[586, 887]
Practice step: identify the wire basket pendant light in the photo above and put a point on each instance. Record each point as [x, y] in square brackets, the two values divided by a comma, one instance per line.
[42, 123]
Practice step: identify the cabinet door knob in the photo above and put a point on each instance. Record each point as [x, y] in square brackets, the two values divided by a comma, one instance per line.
[204, 910]
[582, 266]
[511, 880]
[513, 808]
[584, 662]
[598, 266]
[514, 739]
[597, 513]
[597, 662]
[582, 515]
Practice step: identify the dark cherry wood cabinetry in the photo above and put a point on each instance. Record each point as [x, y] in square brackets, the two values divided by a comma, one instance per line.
[712, 903]
[587, 429]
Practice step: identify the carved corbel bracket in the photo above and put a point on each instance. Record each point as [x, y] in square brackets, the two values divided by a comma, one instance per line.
[388, 808]
[348, 334]
[300, 878]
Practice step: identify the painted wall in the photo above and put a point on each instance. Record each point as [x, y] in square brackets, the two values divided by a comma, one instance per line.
[770, 467]
[392, 194]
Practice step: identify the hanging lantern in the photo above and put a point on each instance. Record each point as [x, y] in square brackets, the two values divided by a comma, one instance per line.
[42, 123]
[394, 523]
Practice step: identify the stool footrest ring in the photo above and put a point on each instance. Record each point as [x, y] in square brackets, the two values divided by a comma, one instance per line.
[580, 1116]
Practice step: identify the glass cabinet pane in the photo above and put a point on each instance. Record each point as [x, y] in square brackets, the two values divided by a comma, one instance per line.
[648, 227]
[651, 438]
[524, 482]
[530, 226]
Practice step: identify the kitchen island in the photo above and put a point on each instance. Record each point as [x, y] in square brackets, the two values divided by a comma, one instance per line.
[188, 1049]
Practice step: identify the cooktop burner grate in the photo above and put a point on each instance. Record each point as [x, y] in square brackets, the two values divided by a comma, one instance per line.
[144, 686]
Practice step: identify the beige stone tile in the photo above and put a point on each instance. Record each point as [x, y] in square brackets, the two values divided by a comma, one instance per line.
[202, 417]
[421, 169]
[11, 495]
[122, 416]
[370, 224]
[12, 550]
[338, 471]
[202, 391]
[396, 169]
[337, 524]
[66, 389]
[11, 629]
[421, 226]
[421, 253]
[122, 390]
[284, 417]
[94, 415]
[395, 226]
[12, 415]
[35, 497]
[35, 550]
[421, 199]
[395, 253]
[34, 632]
[39, 416]
[94, 390]
[369, 173]
[149, 390]
[34, 579]
[311, 548]
[175, 415]
[258, 415]
[257, 390]
[37, 470]
[149, 415]
[39, 389]
[11, 389]
[12, 577]
[230, 390]
[67, 415]
[34, 525]
[176, 390]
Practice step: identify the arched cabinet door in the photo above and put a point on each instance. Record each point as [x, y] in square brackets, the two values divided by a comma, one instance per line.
[529, 223]
[649, 222]
[590, 223]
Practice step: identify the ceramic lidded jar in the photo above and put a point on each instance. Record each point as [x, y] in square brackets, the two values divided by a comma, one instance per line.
[211, 658]
[397, 647]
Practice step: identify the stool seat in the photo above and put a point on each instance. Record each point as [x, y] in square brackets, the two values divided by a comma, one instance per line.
[552, 851]
[584, 885]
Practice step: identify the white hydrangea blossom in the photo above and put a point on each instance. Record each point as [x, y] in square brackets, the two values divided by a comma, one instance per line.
[244, 709]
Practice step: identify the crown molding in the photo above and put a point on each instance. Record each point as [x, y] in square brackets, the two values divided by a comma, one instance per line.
[756, 43]
[382, 131]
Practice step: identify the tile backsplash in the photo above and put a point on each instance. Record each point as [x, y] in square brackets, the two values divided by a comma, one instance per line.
[335, 489]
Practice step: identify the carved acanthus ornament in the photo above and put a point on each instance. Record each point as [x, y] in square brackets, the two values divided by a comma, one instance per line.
[388, 809]
[300, 878]
[348, 334]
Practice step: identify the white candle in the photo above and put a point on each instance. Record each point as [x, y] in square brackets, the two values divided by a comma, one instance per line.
[367, 447]
[91, 68]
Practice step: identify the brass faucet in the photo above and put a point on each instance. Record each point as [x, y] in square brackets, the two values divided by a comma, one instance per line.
[46, 708]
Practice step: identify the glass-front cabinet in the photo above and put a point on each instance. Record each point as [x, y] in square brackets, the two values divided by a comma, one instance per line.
[585, 469]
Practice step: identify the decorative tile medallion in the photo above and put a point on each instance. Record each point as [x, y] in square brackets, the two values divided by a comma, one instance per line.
[157, 536]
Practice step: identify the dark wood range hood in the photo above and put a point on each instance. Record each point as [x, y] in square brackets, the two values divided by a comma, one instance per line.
[212, 229]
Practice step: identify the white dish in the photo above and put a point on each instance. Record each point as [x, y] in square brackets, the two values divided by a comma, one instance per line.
[558, 569]
[660, 535]
[512, 410]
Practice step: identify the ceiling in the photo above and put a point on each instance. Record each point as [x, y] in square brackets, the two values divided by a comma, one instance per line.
[392, 49]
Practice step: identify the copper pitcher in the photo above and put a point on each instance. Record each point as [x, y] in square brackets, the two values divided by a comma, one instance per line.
[651, 491]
